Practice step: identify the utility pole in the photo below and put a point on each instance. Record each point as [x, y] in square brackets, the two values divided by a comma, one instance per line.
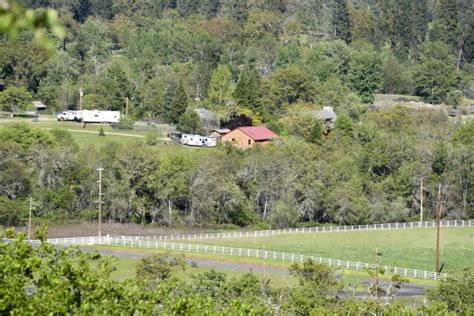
[100, 201]
[81, 94]
[126, 106]
[438, 217]
[421, 202]
[29, 219]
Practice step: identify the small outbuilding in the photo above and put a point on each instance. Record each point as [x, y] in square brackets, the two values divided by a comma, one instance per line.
[327, 115]
[247, 136]
[218, 133]
[39, 106]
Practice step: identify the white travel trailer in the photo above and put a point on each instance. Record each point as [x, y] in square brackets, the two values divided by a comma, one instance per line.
[198, 140]
[66, 116]
[96, 116]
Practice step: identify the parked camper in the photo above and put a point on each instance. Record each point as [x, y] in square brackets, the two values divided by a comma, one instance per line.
[210, 142]
[198, 140]
[96, 116]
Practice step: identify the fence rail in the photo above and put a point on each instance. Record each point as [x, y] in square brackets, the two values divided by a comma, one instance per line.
[242, 252]
[308, 230]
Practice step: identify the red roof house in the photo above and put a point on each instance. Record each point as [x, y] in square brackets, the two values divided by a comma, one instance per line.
[247, 136]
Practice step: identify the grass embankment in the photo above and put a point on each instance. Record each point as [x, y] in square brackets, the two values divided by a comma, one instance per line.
[410, 248]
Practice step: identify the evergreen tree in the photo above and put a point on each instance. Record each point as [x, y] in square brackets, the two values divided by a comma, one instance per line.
[235, 10]
[165, 111]
[448, 11]
[179, 104]
[247, 91]
[341, 23]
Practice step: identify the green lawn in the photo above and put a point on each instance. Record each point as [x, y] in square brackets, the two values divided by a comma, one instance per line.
[126, 267]
[411, 248]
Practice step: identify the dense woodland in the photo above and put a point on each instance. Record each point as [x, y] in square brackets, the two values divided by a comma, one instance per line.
[257, 57]
[364, 173]
[272, 61]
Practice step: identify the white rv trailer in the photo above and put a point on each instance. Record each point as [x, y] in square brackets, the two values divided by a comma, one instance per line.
[198, 140]
[95, 116]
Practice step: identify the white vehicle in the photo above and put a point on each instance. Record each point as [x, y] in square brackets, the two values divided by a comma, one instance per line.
[96, 116]
[198, 140]
[66, 116]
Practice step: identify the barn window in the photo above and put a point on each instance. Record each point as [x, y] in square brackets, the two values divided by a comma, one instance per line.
[250, 142]
[233, 139]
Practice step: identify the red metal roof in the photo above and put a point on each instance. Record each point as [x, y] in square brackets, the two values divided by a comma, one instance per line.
[258, 132]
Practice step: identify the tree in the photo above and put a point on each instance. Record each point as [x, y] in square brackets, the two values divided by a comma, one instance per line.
[434, 79]
[457, 291]
[447, 14]
[220, 89]
[190, 122]
[247, 90]
[16, 99]
[341, 21]
[48, 280]
[316, 133]
[159, 267]
[179, 104]
[365, 74]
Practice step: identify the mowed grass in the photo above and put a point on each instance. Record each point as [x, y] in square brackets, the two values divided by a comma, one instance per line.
[410, 248]
[126, 266]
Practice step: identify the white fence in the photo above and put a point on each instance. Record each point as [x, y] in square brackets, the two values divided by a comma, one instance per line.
[309, 230]
[242, 252]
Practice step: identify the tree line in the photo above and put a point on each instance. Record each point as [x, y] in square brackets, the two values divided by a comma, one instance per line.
[361, 173]
[262, 58]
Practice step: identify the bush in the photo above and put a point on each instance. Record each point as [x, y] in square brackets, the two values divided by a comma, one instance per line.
[126, 123]
[152, 138]
[12, 212]
[453, 98]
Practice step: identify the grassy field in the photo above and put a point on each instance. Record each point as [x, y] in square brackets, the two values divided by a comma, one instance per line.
[126, 268]
[411, 248]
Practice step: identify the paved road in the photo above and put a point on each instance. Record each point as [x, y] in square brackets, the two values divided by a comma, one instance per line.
[406, 291]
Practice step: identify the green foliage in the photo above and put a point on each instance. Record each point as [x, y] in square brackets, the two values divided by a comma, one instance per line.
[247, 90]
[190, 122]
[125, 123]
[440, 159]
[465, 134]
[454, 98]
[16, 99]
[457, 292]
[50, 280]
[152, 138]
[26, 135]
[12, 212]
[344, 125]
[434, 79]
[365, 74]
[341, 21]
[101, 131]
[315, 133]
[179, 104]
[157, 268]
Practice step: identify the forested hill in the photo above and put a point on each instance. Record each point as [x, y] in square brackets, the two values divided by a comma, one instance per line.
[258, 57]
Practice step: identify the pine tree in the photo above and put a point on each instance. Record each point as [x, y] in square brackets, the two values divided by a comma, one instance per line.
[340, 16]
[448, 11]
[165, 110]
[247, 91]
[179, 104]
